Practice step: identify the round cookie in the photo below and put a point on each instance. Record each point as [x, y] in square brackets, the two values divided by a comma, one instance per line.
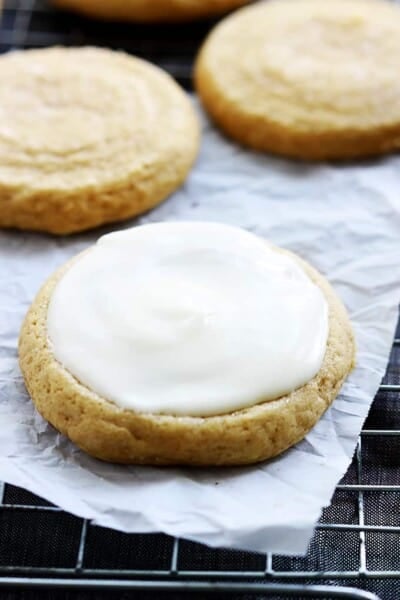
[147, 11]
[106, 431]
[306, 79]
[88, 136]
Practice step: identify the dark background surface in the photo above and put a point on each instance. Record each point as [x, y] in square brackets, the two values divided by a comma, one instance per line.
[33, 24]
[33, 540]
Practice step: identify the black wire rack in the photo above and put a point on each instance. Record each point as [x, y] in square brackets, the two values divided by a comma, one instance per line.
[355, 552]
[33, 24]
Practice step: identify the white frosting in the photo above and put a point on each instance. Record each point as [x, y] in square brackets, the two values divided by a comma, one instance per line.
[187, 319]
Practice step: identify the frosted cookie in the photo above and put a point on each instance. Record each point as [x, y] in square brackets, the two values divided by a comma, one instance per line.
[185, 343]
[150, 10]
[306, 78]
[88, 136]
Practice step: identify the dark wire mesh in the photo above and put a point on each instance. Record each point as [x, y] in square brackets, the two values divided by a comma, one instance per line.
[33, 24]
[357, 543]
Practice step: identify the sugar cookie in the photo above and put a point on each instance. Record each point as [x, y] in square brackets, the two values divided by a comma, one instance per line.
[150, 10]
[169, 365]
[88, 136]
[306, 78]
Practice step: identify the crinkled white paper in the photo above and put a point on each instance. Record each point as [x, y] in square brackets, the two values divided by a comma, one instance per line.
[346, 221]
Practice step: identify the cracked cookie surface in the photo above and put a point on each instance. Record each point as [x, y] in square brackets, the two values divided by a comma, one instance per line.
[88, 136]
[307, 79]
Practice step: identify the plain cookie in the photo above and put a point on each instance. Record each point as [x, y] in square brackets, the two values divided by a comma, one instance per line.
[150, 10]
[88, 136]
[105, 431]
[306, 78]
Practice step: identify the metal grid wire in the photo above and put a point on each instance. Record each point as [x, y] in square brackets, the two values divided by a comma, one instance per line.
[355, 552]
[33, 24]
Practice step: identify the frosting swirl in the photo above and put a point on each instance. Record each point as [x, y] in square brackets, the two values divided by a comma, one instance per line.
[188, 319]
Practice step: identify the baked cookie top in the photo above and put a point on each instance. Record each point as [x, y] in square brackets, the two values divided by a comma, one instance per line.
[72, 118]
[89, 136]
[150, 10]
[306, 69]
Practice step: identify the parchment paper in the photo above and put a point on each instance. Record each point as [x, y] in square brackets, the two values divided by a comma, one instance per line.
[346, 221]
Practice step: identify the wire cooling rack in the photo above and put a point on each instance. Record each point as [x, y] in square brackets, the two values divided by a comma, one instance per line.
[32, 24]
[355, 552]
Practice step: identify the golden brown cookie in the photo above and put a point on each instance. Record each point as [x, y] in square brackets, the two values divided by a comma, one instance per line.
[306, 78]
[150, 10]
[88, 136]
[110, 433]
